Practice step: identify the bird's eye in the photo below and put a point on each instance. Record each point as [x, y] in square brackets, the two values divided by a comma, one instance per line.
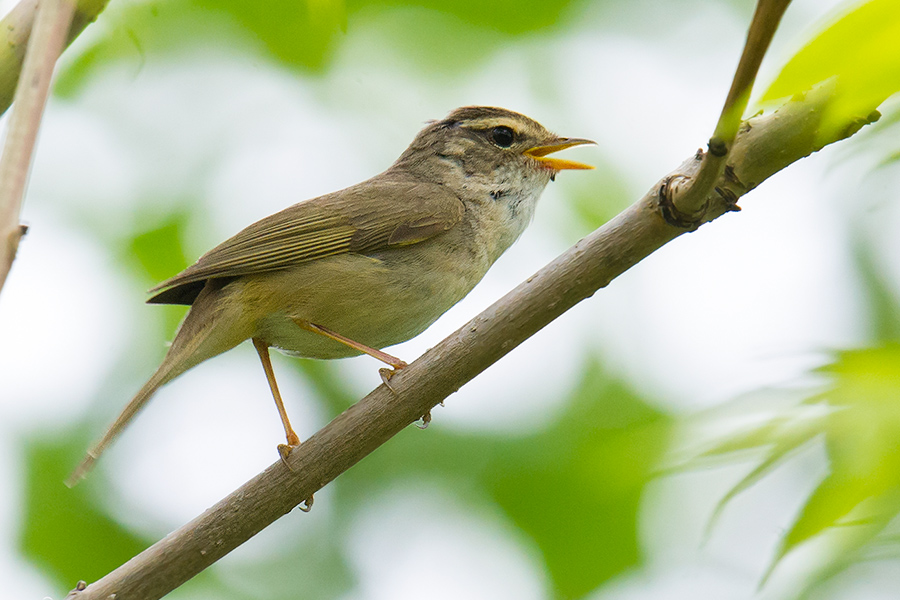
[502, 136]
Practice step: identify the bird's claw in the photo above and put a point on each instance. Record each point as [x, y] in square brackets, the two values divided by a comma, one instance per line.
[306, 505]
[387, 373]
[284, 451]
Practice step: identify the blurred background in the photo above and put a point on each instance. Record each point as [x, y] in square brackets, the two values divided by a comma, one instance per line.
[589, 463]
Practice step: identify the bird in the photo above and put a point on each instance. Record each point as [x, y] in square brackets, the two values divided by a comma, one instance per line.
[367, 267]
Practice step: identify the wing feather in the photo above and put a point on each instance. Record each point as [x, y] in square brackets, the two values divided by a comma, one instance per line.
[364, 218]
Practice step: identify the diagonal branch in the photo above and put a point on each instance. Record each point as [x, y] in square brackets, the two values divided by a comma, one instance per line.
[764, 145]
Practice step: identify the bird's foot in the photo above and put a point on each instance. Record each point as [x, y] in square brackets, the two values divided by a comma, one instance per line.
[306, 505]
[284, 450]
[386, 374]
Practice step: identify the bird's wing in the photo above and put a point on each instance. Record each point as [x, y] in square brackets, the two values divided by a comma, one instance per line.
[363, 218]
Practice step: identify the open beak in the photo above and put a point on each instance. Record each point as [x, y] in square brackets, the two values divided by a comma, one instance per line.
[539, 153]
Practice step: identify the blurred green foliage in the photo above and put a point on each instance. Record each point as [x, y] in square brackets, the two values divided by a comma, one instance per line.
[882, 303]
[59, 521]
[447, 33]
[282, 24]
[159, 251]
[573, 488]
[509, 17]
[583, 194]
[71, 536]
[154, 255]
[859, 49]
[858, 419]
[576, 487]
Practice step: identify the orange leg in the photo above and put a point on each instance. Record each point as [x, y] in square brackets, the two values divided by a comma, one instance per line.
[384, 357]
[374, 353]
[293, 440]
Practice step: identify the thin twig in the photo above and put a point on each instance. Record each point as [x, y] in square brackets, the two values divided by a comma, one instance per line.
[688, 195]
[15, 29]
[764, 146]
[51, 26]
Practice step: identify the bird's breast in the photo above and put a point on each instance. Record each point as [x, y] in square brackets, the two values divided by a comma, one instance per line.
[379, 300]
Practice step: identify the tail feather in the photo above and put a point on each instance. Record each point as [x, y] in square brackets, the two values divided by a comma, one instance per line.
[192, 345]
[162, 375]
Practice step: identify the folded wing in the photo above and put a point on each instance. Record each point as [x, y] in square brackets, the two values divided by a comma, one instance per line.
[364, 218]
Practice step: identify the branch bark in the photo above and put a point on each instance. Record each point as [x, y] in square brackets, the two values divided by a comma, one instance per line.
[55, 24]
[50, 27]
[686, 196]
[16, 27]
[764, 146]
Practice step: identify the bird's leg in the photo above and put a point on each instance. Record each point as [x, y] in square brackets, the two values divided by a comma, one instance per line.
[293, 440]
[386, 374]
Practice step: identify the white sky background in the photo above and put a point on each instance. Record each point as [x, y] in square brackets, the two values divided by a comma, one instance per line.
[759, 295]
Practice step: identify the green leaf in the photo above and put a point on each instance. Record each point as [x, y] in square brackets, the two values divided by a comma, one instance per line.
[859, 49]
[298, 34]
[69, 535]
[437, 35]
[62, 526]
[859, 419]
[840, 500]
[295, 33]
[867, 378]
[513, 17]
[883, 305]
[784, 444]
[573, 488]
[765, 434]
[159, 253]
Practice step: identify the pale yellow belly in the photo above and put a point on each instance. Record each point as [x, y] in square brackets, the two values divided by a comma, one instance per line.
[377, 301]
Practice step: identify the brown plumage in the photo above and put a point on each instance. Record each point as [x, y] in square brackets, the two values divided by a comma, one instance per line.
[366, 267]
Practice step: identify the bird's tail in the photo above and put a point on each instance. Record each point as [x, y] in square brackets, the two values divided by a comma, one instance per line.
[197, 339]
[162, 376]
